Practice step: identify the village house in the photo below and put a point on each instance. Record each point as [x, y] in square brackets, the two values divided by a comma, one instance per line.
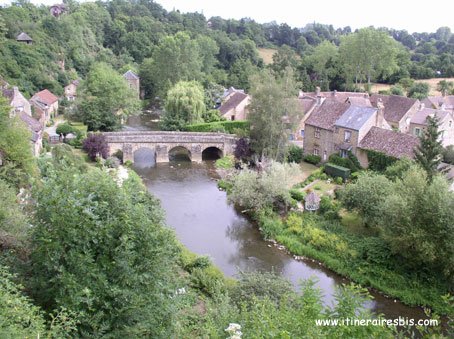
[36, 129]
[440, 102]
[391, 143]
[45, 104]
[398, 110]
[418, 123]
[234, 105]
[25, 38]
[133, 81]
[71, 90]
[17, 101]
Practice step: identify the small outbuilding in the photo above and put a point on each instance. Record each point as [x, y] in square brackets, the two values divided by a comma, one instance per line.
[312, 202]
[25, 38]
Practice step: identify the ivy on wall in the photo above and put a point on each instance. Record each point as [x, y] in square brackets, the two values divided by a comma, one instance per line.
[379, 161]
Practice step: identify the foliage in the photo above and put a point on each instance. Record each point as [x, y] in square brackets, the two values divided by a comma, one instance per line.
[351, 162]
[96, 146]
[398, 169]
[242, 150]
[184, 105]
[297, 194]
[379, 161]
[419, 90]
[294, 154]
[448, 154]
[105, 97]
[272, 112]
[115, 259]
[19, 318]
[336, 171]
[445, 87]
[224, 126]
[65, 129]
[312, 159]
[18, 163]
[225, 162]
[428, 153]
[255, 191]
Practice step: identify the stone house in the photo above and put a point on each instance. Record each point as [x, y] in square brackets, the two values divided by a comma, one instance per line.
[24, 38]
[71, 90]
[391, 143]
[133, 81]
[36, 129]
[235, 106]
[17, 101]
[398, 110]
[418, 123]
[45, 104]
[439, 102]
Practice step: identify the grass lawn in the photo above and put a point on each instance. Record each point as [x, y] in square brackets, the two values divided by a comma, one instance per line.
[432, 85]
[267, 55]
[321, 187]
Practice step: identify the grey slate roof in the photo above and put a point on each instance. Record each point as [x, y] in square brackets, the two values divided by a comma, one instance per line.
[23, 37]
[355, 117]
[130, 75]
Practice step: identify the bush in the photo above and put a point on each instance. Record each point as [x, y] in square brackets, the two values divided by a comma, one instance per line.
[329, 208]
[339, 180]
[96, 145]
[243, 149]
[112, 162]
[337, 171]
[351, 162]
[295, 154]
[221, 126]
[225, 162]
[297, 194]
[312, 159]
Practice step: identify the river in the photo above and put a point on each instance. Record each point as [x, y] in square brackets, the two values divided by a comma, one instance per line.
[207, 224]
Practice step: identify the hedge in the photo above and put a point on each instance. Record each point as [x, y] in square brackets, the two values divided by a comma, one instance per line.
[337, 171]
[219, 126]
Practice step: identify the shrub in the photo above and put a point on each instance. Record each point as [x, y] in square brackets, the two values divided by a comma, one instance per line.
[337, 171]
[243, 149]
[271, 226]
[224, 126]
[329, 208]
[295, 154]
[339, 180]
[312, 159]
[224, 185]
[297, 194]
[65, 129]
[112, 162]
[351, 162]
[225, 162]
[96, 145]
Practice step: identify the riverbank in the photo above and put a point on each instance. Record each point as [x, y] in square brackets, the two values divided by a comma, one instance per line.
[344, 246]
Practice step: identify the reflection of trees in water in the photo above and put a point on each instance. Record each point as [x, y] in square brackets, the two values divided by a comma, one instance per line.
[253, 254]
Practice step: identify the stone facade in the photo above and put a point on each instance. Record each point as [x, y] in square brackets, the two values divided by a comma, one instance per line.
[133, 81]
[161, 143]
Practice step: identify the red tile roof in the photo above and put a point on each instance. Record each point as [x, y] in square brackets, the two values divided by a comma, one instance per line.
[46, 97]
[325, 115]
[395, 106]
[232, 102]
[389, 142]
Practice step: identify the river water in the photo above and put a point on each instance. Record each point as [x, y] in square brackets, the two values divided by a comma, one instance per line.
[207, 224]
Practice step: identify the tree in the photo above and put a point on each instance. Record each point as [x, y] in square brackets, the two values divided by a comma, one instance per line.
[243, 150]
[322, 61]
[273, 111]
[448, 154]
[96, 146]
[19, 166]
[185, 104]
[284, 57]
[445, 87]
[419, 90]
[101, 250]
[367, 54]
[105, 98]
[428, 153]
[65, 129]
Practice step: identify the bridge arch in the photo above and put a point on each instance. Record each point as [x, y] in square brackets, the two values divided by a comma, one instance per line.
[179, 152]
[144, 156]
[212, 153]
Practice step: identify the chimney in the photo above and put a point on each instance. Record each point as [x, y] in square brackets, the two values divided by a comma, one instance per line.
[421, 106]
[318, 96]
[15, 90]
[380, 114]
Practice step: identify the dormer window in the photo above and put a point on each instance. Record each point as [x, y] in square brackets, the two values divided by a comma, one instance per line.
[347, 136]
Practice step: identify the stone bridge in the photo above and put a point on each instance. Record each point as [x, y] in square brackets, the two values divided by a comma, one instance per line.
[162, 143]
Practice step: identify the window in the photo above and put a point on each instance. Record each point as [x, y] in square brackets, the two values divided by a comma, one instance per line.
[291, 137]
[343, 153]
[347, 136]
[317, 133]
[232, 117]
[324, 155]
[316, 151]
[417, 131]
[302, 133]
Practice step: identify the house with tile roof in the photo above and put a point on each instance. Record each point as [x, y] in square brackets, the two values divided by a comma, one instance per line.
[16, 100]
[45, 104]
[389, 142]
[418, 123]
[36, 129]
[133, 81]
[234, 105]
[71, 90]
[440, 102]
[398, 110]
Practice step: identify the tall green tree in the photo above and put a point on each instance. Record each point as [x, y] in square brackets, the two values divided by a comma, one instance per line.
[105, 99]
[367, 54]
[322, 62]
[419, 90]
[185, 104]
[445, 87]
[273, 112]
[429, 153]
[102, 251]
